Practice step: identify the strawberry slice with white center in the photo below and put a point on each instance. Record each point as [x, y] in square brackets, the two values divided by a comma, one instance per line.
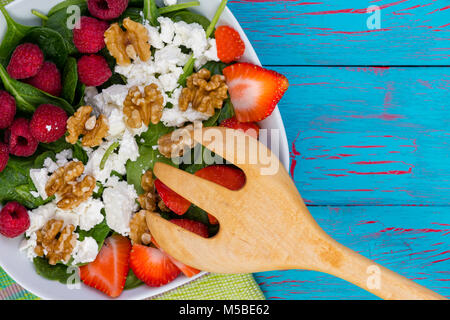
[152, 266]
[109, 271]
[254, 91]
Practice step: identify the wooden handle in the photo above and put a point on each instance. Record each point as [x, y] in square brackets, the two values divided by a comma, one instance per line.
[375, 278]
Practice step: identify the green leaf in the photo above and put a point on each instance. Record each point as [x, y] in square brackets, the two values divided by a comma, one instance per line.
[215, 67]
[58, 272]
[147, 159]
[39, 161]
[82, 4]
[197, 214]
[132, 13]
[227, 111]
[151, 12]
[132, 281]
[178, 7]
[79, 95]
[189, 17]
[28, 98]
[13, 36]
[15, 182]
[69, 80]
[100, 232]
[51, 43]
[57, 146]
[154, 132]
[58, 22]
[211, 122]
[80, 154]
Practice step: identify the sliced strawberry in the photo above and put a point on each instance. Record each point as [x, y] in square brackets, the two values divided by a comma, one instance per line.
[171, 199]
[254, 91]
[186, 270]
[250, 128]
[192, 226]
[109, 271]
[230, 46]
[152, 266]
[226, 176]
[197, 228]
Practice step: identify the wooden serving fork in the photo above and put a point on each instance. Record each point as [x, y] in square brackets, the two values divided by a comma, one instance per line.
[265, 225]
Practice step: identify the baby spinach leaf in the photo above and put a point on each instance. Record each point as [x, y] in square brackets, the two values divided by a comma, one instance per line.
[40, 159]
[215, 67]
[57, 146]
[69, 80]
[79, 95]
[58, 23]
[16, 185]
[58, 272]
[197, 214]
[82, 4]
[28, 98]
[51, 43]
[147, 159]
[227, 111]
[13, 35]
[154, 132]
[132, 13]
[79, 153]
[178, 7]
[189, 17]
[132, 281]
[100, 232]
[151, 12]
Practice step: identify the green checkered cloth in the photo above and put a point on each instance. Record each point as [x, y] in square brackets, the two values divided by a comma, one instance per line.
[208, 287]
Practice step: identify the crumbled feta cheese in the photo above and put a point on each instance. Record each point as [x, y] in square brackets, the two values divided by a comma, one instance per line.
[35, 194]
[40, 216]
[28, 246]
[192, 36]
[85, 251]
[116, 124]
[120, 203]
[154, 36]
[63, 157]
[69, 217]
[90, 213]
[50, 165]
[167, 29]
[40, 178]
[170, 2]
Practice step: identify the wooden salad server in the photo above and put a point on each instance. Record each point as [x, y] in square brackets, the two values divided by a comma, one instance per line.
[264, 226]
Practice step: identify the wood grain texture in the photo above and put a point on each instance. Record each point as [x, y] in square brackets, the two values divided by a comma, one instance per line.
[331, 32]
[363, 136]
[413, 241]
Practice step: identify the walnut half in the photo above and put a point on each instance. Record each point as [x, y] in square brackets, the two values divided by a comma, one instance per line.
[55, 241]
[143, 108]
[204, 93]
[129, 44]
[92, 129]
[64, 183]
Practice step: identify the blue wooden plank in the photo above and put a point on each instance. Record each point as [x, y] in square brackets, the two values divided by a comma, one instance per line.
[413, 241]
[289, 32]
[369, 135]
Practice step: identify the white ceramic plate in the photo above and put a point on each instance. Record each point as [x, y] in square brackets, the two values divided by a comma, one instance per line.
[16, 264]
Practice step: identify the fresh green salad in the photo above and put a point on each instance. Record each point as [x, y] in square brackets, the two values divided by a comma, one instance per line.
[89, 102]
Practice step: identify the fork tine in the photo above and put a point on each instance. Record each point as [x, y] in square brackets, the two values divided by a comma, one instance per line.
[185, 246]
[204, 194]
[235, 146]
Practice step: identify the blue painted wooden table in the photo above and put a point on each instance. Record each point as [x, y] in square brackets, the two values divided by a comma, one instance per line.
[368, 121]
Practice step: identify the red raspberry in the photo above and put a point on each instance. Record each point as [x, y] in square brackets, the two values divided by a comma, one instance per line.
[48, 79]
[93, 70]
[4, 156]
[25, 61]
[21, 141]
[14, 220]
[89, 38]
[107, 9]
[7, 109]
[48, 123]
